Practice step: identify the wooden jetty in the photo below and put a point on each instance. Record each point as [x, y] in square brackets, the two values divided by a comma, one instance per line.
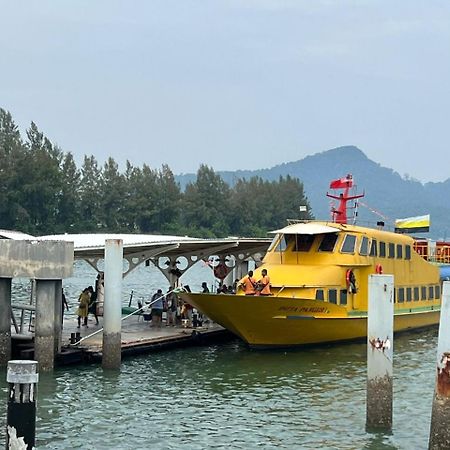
[137, 337]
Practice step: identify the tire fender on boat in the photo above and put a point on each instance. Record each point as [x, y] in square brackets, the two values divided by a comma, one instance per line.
[379, 269]
[351, 281]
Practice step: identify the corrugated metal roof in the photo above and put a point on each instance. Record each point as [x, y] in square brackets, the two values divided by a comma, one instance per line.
[16, 235]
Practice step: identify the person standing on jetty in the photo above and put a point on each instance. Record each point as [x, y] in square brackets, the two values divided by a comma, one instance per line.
[157, 308]
[93, 304]
[82, 311]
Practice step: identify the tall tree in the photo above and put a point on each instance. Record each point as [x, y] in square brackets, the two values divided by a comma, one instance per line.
[11, 154]
[206, 204]
[90, 195]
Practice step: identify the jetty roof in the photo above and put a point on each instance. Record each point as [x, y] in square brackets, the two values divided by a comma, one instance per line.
[93, 245]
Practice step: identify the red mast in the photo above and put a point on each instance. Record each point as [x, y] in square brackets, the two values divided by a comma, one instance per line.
[339, 214]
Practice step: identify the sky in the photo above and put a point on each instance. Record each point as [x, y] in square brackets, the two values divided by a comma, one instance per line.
[245, 84]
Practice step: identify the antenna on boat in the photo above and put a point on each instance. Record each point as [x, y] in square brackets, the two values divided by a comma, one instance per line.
[339, 214]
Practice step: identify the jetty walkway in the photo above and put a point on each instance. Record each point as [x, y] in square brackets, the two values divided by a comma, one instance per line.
[137, 337]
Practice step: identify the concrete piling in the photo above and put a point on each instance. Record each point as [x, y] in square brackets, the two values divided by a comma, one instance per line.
[440, 415]
[380, 332]
[112, 314]
[58, 316]
[22, 378]
[44, 340]
[5, 321]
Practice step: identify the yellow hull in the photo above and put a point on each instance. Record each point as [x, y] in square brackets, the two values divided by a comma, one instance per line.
[284, 322]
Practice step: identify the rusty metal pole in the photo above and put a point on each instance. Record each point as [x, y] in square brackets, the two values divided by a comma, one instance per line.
[440, 415]
[380, 338]
[112, 314]
[22, 379]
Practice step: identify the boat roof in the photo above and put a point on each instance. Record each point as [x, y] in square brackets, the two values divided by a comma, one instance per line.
[307, 228]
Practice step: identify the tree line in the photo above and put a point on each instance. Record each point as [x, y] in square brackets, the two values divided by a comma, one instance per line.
[42, 191]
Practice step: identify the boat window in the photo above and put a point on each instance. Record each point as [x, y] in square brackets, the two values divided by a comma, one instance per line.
[373, 248]
[332, 296]
[416, 294]
[343, 297]
[401, 295]
[281, 246]
[424, 292]
[319, 294]
[274, 242]
[328, 242]
[349, 244]
[430, 293]
[407, 252]
[382, 249]
[303, 242]
[408, 294]
[391, 252]
[399, 251]
[437, 292]
[395, 296]
[364, 248]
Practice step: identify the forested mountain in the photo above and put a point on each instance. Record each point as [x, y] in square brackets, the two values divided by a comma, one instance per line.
[42, 191]
[386, 192]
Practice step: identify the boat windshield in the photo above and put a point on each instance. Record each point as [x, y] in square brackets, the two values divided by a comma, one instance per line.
[328, 242]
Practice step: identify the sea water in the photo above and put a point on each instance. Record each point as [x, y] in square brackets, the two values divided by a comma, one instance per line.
[229, 396]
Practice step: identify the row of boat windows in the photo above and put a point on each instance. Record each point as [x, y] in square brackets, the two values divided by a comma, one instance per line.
[401, 294]
[304, 242]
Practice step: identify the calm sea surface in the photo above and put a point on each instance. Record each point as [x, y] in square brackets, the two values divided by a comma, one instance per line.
[229, 396]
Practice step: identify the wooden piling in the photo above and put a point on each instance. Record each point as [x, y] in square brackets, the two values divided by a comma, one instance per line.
[22, 378]
[380, 330]
[5, 321]
[440, 415]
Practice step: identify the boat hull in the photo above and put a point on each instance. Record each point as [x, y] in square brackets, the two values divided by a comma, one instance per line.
[287, 322]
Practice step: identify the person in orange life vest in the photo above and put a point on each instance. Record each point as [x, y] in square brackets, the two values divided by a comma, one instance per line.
[264, 284]
[248, 284]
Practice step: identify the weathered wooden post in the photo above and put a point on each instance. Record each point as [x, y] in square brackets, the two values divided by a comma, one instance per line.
[112, 314]
[440, 415]
[380, 332]
[5, 321]
[22, 379]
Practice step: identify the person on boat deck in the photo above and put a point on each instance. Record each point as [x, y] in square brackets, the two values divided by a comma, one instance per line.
[205, 289]
[248, 284]
[157, 308]
[264, 283]
[82, 311]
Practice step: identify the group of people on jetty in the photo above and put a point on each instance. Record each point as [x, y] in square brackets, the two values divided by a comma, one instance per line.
[88, 301]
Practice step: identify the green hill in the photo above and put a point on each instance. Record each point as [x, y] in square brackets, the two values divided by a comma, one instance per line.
[386, 192]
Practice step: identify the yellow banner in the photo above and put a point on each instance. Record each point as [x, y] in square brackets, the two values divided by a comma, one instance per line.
[413, 224]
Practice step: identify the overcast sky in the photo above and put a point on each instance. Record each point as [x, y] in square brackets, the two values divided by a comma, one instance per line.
[243, 84]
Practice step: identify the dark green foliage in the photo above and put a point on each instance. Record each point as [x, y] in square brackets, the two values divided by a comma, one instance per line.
[43, 192]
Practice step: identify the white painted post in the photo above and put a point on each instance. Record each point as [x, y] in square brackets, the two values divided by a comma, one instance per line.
[440, 416]
[380, 339]
[112, 313]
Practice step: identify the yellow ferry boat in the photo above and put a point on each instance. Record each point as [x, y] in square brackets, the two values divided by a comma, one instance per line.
[319, 274]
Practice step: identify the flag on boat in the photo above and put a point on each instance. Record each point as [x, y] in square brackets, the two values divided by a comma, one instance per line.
[341, 183]
[416, 224]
